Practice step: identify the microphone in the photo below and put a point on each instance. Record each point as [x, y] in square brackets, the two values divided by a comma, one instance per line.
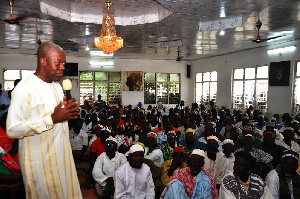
[67, 86]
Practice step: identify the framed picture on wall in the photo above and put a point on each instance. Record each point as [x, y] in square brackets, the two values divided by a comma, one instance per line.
[279, 73]
[133, 80]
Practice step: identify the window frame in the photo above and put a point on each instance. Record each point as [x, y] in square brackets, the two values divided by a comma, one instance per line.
[255, 79]
[12, 80]
[156, 82]
[107, 81]
[296, 108]
[202, 82]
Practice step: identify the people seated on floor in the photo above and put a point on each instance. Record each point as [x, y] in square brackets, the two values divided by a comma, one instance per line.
[260, 123]
[190, 143]
[134, 179]
[227, 153]
[287, 141]
[127, 137]
[288, 180]
[210, 131]
[167, 147]
[201, 129]
[268, 145]
[242, 183]
[247, 130]
[193, 181]
[214, 161]
[78, 139]
[156, 174]
[88, 124]
[178, 161]
[161, 131]
[227, 125]
[258, 154]
[152, 152]
[97, 148]
[105, 167]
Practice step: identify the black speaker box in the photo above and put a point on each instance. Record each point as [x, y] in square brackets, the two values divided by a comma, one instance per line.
[188, 70]
[71, 69]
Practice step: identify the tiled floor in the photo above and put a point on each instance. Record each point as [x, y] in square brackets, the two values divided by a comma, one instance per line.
[88, 193]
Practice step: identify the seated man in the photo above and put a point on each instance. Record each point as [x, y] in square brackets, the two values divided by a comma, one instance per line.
[152, 152]
[170, 166]
[190, 143]
[105, 167]
[287, 142]
[134, 179]
[288, 181]
[193, 181]
[214, 161]
[248, 129]
[228, 148]
[78, 139]
[268, 145]
[242, 183]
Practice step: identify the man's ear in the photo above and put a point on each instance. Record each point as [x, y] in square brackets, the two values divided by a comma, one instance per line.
[42, 61]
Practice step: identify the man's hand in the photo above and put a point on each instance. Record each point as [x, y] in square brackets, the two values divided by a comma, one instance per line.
[176, 163]
[69, 111]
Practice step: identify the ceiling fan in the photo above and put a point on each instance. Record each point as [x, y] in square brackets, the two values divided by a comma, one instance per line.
[258, 39]
[13, 20]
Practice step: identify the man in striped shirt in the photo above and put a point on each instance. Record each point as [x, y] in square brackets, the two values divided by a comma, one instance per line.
[38, 117]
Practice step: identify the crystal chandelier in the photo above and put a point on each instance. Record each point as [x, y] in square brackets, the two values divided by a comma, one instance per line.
[108, 41]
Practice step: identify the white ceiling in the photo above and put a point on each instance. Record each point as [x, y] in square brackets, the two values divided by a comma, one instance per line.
[174, 20]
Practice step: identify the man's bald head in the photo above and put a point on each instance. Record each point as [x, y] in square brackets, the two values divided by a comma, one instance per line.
[51, 61]
[46, 47]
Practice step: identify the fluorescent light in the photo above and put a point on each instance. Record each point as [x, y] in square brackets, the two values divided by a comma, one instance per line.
[222, 12]
[222, 32]
[281, 50]
[87, 30]
[101, 63]
[100, 54]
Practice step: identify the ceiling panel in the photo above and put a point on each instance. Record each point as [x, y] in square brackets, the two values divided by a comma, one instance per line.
[176, 20]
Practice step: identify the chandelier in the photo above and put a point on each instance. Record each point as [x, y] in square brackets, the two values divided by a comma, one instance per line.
[108, 41]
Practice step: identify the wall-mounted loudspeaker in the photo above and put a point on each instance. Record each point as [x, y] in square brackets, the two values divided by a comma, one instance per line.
[188, 70]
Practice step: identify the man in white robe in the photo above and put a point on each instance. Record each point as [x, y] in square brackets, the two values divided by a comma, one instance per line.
[134, 179]
[105, 167]
[38, 117]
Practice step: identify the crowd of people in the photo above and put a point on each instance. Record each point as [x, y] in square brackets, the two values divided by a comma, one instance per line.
[137, 152]
[191, 152]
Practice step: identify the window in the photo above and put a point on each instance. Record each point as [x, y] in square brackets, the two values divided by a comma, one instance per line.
[250, 87]
[162, 87]
[297, 89]
[11, 75]
[206, 87]
[93, 83]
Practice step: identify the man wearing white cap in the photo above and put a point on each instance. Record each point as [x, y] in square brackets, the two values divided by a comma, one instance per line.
[191, 182]
[214, 161]
[287, 142]
[105, 167]
[134, 179]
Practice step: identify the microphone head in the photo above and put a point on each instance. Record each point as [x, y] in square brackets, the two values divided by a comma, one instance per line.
[67, 84]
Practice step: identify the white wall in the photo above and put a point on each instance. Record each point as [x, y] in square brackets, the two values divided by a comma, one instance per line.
[15, 61]
[279, 97]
